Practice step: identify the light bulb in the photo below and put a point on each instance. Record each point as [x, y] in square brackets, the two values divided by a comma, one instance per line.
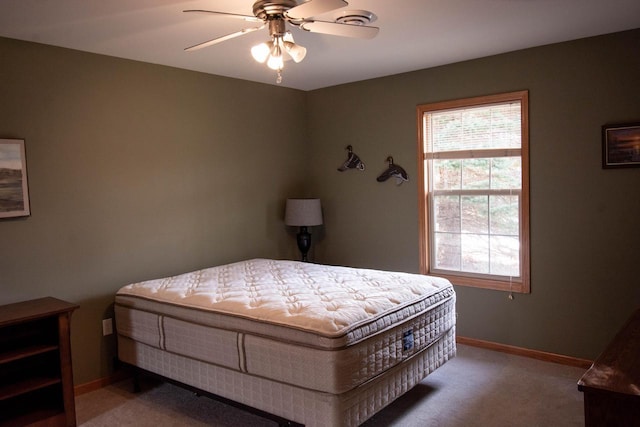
[275, 62]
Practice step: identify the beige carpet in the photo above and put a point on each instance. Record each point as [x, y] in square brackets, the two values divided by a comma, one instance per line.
[477, 388]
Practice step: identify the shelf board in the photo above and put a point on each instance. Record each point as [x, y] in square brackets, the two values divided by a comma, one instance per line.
[25, 386]
[22, 353]
[36, 417]
[25, 311]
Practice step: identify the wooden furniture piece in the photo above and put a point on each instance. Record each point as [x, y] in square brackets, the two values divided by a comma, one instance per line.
[36, 379]
[612, 385]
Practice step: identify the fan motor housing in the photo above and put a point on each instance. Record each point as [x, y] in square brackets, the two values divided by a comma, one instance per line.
[264, 9]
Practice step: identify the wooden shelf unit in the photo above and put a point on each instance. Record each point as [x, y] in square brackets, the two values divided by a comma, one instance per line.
[36, 377]
[610, 386]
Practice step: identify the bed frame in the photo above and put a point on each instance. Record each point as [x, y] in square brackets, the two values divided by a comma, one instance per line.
[137, 373]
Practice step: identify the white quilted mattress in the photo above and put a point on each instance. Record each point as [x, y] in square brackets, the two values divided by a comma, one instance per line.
[323, 328]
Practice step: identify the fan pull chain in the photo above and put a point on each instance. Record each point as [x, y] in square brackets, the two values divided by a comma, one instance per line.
[279, 78]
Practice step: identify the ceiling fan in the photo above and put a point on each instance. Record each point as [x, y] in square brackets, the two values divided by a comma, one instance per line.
[275, 14]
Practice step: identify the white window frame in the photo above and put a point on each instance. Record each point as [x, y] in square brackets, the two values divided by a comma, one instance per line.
[520, 283]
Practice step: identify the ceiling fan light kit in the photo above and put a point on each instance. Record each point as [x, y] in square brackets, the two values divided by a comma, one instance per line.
[272, 51]
[276, 13]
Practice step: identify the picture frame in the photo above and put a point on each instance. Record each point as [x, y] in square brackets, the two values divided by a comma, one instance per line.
[14, 190]
[621, 145]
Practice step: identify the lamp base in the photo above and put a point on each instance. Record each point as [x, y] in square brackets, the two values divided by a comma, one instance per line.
[304, 242]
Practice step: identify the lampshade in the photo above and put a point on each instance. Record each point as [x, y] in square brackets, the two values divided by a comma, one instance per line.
[260, 52]
[303, 212]
[296, 51]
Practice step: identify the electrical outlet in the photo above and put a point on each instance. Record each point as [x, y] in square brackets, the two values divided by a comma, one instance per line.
[107, 327]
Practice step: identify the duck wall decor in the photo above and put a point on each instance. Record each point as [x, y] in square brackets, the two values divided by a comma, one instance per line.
[394, 171]
[352, 162]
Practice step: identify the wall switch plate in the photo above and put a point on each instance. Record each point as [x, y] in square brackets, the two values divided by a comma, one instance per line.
[107, 327]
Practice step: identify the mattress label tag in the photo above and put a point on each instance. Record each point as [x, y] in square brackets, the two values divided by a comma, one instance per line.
[407, 340]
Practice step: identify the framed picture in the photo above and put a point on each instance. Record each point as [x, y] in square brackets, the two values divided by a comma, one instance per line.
[621, 145]
[14, 193]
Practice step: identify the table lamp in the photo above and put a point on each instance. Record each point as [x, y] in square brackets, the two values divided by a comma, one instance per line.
[303, 213]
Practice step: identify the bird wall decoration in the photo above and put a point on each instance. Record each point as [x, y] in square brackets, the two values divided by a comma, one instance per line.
[352, 162]
[393, 171]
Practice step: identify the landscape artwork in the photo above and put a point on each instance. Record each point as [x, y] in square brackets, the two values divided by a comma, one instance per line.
[621, 145]
[14, 196]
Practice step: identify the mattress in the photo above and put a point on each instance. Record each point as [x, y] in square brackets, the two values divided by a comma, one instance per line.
[325, 330]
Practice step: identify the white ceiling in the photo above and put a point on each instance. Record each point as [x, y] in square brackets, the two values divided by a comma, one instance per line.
[414, 34]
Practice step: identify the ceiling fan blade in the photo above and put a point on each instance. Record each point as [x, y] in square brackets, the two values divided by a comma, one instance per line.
[231, 15]
[223, 38]
[313, 8]
[337, 29]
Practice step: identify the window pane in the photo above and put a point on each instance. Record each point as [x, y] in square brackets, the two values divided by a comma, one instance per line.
[505, 255]
[506, 131]
[476, 173]
[445, 131]
[476, 128]
[446, 211]
[447, 251]
[475, 214]
[504, 215]
[473, 128]
[506, 173]
[447, 174]
[475, 253]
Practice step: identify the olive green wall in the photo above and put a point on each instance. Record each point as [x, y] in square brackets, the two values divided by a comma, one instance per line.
[138, 171]
[585, 237]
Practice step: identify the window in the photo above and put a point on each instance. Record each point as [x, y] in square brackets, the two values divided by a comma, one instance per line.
[474, 191]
